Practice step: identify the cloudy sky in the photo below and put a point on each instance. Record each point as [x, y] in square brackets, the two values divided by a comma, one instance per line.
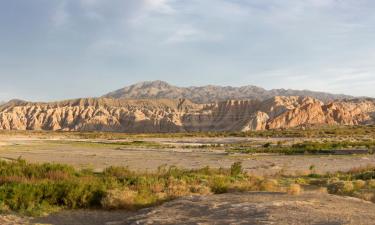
[56, 49]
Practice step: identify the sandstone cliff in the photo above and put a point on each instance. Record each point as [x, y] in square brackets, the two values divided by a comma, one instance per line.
[165, 115]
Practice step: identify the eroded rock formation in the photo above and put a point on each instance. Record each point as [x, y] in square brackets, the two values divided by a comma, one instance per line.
[165, 115]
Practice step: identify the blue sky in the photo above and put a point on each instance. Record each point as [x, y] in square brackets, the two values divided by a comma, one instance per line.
[56, 49]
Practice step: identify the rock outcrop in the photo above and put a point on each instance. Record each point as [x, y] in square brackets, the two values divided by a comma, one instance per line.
[258, 209]
[163, 115]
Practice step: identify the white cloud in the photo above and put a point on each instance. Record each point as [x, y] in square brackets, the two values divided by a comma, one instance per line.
[191, 34]
[161, 6]
[355, 78]
[61, 16]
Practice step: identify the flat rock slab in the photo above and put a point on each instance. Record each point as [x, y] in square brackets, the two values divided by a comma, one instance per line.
[234, 208]
[260, 208]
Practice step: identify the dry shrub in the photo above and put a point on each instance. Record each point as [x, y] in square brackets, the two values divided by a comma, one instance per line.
[157, 188]
[368, 196]
[200, 189]
[341, 187]
[161, 196]
[359, 184]
[371, 183]
[56, 175]
[220, 185]
[302, 181]
[361, 169]
[348, 187]
[269, 185]
[4, 208]
[13, 179]
[242, 187]
[177, 188]
[294, 189]
[119, 199]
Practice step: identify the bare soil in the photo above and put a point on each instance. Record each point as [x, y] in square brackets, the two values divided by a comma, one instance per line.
[82, 154]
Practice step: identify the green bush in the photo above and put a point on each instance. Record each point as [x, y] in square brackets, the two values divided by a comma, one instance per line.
[236, 169]
[35, 189]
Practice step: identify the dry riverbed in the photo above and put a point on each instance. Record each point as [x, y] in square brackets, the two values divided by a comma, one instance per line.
[96, 155]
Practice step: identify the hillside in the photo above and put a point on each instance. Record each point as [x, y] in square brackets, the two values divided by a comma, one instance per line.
[211, 93]
[163, 115]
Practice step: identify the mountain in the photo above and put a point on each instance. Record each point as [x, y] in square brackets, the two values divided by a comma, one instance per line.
[211, 93]
[168, 115]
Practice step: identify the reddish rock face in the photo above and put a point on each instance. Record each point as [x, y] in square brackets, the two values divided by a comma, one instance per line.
[165, 115]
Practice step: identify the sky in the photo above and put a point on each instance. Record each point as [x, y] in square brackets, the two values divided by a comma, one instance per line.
[59, 49]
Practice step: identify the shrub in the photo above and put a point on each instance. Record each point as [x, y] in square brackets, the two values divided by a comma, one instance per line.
[119, 199]
[219, 185]
[358, 184]
[294, 189]
[270, 185]
[267, 145]
[236, 169]
[371, 183]
[341, 187]
[35, 189]
[177, 188]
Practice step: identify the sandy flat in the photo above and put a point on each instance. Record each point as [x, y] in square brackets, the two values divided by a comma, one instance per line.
[149, 159]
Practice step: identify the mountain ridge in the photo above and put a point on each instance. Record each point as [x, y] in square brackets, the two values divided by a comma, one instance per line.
[181, 115]
[212, 93]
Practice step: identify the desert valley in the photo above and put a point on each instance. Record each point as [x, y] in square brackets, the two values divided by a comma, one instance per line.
[144, 152]
[172, 112]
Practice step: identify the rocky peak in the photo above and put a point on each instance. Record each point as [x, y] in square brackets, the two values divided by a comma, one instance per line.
[211, 93]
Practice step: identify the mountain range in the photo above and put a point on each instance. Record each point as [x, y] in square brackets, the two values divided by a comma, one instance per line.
[210, 93]
[159, 107]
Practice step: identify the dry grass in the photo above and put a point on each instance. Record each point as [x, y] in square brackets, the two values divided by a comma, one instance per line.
[119, 199]
[294, 189]
[270, 185]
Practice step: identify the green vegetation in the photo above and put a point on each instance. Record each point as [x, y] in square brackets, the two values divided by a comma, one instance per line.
[306, 147]
[359, 183]
[36, 189]
[117, 144]
[321, 132]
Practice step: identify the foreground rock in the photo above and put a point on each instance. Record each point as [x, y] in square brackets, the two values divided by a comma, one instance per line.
[164, 115]
[246, 208]
[260, 208]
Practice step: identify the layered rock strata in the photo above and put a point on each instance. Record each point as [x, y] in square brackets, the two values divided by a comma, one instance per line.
[163, 115]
